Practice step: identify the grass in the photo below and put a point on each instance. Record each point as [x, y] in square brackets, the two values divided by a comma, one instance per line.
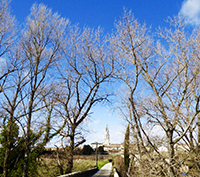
[102, 163]
[81, 165]
[48, 167]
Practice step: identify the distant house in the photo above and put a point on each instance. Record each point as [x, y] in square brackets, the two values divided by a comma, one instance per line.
[96, 144]
[107, 145]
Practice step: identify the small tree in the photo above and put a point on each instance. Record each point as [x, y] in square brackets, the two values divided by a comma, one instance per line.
[101, 149]
[87, 150]
[126, 149]
[14, 159]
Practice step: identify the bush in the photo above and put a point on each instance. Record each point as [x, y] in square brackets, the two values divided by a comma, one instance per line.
[118, 163]
[87, 150]
[109, 160]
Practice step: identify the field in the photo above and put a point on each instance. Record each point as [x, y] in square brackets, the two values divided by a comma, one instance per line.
[48, 167]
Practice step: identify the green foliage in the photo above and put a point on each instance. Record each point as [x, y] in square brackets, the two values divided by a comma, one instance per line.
[87, 150]
[126, 149]
[101, 149]
[17, 150]
[15, 145]
[32, 168]
[13, 135]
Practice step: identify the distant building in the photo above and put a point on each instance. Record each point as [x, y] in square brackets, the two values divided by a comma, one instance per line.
[107, 145]
[106, 137]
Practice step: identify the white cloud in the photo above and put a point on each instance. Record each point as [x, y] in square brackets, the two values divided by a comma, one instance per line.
[191, 11]
[117, 133]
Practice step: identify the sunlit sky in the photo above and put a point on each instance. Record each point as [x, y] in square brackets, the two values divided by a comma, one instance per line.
[94, 13]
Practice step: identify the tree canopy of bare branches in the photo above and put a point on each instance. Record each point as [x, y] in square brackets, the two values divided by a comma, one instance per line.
[61, 73]
[53, 73]
[85, 70]
[162, 88]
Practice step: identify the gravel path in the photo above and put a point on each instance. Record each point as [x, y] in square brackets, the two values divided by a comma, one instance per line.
[105, 171]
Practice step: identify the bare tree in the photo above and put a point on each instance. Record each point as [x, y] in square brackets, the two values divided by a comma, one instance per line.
[173, 83]
[11, 99]
[131, 43]
[165, 81]
[85, 70]
[40, 43]
[7, 36]
[7, 64]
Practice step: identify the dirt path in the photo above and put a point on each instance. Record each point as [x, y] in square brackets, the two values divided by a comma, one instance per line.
[105, 171]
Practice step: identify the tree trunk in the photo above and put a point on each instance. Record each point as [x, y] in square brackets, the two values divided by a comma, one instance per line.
[8, 147]
[28, 139]
[198, 141]
[26, 159]
[70, 152]
[191, 139]
[27, 150]
[5, 164]
[60, 165]
[172, 172]
[70, 161]
[198, 124]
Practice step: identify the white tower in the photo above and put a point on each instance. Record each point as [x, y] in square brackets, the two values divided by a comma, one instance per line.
[106, 137]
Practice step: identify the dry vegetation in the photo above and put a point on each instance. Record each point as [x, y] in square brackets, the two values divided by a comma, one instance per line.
[118, 163]
[185, 162]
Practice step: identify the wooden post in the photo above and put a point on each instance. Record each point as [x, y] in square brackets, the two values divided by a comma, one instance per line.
[96, 154]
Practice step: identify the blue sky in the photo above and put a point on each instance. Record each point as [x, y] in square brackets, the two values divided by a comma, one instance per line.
[103, 13]
[94, 13]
